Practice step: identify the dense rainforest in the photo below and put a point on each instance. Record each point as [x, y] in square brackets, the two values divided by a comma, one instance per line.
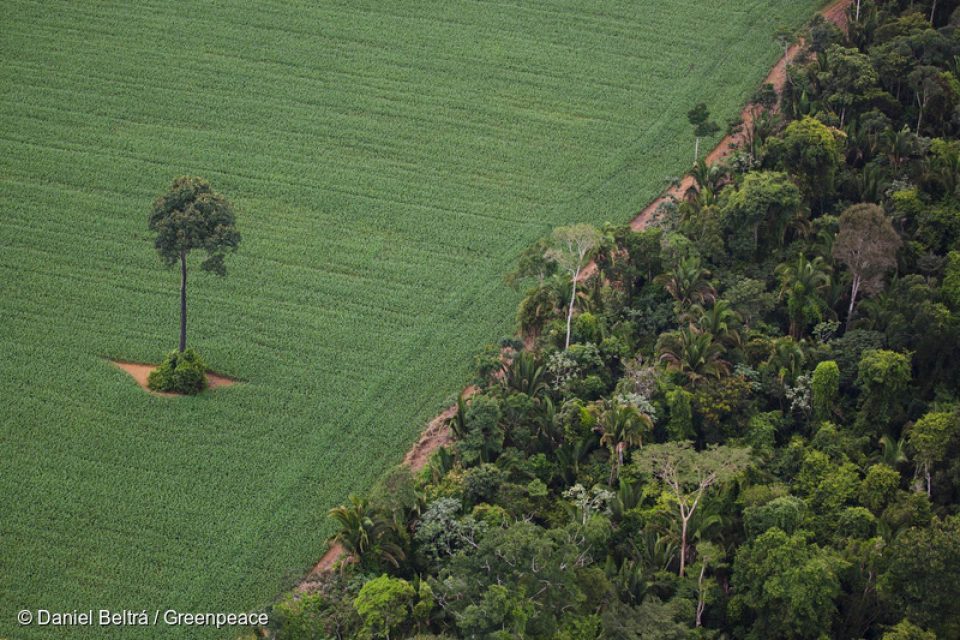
[744, 422]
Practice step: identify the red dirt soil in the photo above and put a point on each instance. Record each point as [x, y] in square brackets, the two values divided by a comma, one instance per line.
[437, 433]
[139, 372]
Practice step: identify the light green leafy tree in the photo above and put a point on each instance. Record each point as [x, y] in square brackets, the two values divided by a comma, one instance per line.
[867, 244]
[825, 389]
[687, 475]
[929, 437]
[384, 604]
[883, 378]
[758, 214]
[787, 586]
[920, 577]
[570, 248]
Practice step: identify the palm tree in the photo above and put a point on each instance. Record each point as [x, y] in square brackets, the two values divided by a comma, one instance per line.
[693, 353]
[712, 176]
[621, 426]
[900, 146]
[688, 283]
[802, 283]
[523, 374]
[458, 421]
[893, 452]
[720, 320]
[786, 358]
[363, 533]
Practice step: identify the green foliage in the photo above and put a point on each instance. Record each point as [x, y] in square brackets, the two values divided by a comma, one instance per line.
[366, 534]
[849, 349]
[588, 328]
[680, 424]
[920, 576]
[811, 151]
[786, 513]
[906, 630]
[483, 436]
[395, 492]
[757, 215]
[762, 431]
[480, 483]
[384, 604]
[191, 215]
[951, 281]
[879, 487]
[856, 522]
[785, 586]
[825, 389]
[883, 378]
[442, 531]
[306, 616]
[930, 436]
[517, 578]
[802, 283]
[179, 372]
[541, 556]
[652, 619]
[828, 487]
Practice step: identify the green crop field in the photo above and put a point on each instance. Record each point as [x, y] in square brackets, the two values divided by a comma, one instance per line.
[388, 162]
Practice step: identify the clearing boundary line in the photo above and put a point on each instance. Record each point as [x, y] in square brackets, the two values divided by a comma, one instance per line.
[437, 433]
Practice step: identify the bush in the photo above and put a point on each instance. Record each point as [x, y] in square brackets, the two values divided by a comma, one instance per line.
[179, 373]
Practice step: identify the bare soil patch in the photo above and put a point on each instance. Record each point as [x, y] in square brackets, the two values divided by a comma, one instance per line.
[139, 372]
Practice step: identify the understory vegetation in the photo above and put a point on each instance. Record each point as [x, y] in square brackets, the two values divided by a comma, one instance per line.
[180, 372]
[749, 425]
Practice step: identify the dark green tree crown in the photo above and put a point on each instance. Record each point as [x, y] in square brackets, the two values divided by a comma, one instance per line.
[191, 215]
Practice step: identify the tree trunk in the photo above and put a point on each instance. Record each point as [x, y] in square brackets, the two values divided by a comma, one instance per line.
[933, 10]
[920, 116]
[854, 289]
[683, 544]
[701, 603]
[696, 150]
[617, 462]
[858, 12]
[183, 301]
[573, 297]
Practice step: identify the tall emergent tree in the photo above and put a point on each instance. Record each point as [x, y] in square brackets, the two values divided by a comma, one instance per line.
[867, 243]
[703, 126]
[569, 249]
[191, 215]
[688, 474]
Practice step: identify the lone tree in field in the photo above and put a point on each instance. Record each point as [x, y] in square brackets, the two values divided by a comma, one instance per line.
[703, 126]
[190, 216]
[569, 248]
[867, 243]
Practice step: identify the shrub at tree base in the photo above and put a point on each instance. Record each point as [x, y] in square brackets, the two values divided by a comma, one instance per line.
[180, 372]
